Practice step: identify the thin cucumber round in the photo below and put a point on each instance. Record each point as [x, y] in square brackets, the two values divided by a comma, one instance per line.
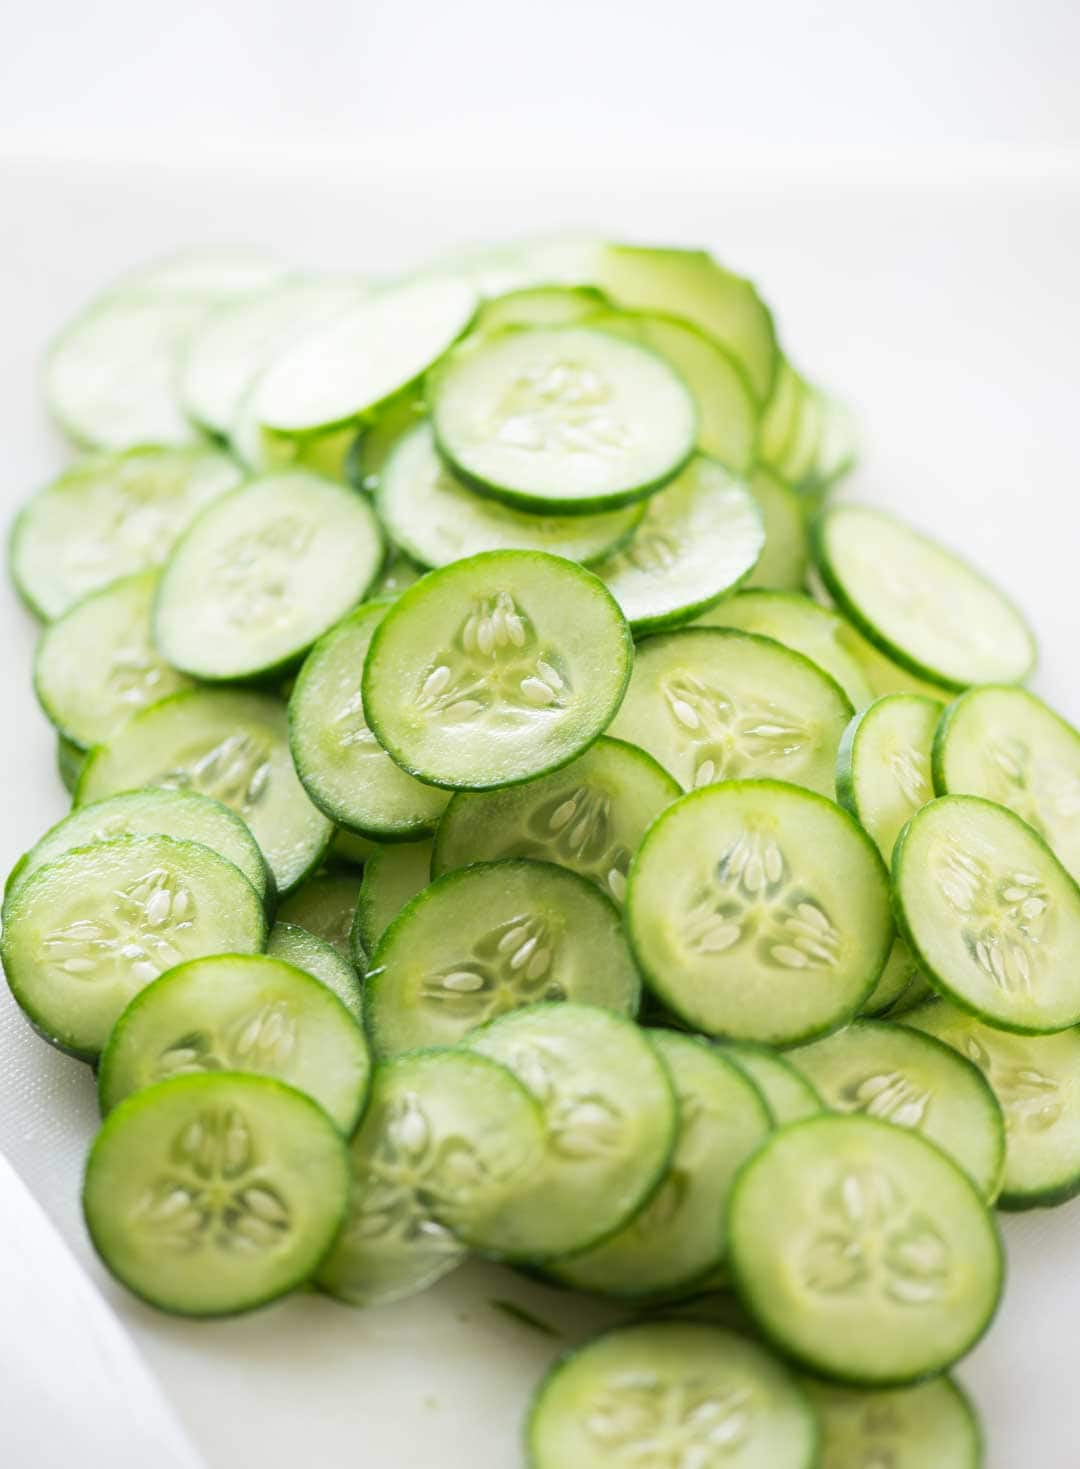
[883, 764]
[541, 306]
[787, 1094]
[213, 1194]
[921, 605]
[862, 1251]
[990, 915]
[92, 928]
[678, 1393]
[296, 945]
[496, 669]
[393, 876]
[783, 562]
[713, 704]
[325, 905]
[738, 925]
[898, 976]
[490, 938]
[930, 1426]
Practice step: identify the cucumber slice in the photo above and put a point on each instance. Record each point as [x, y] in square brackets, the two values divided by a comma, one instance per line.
[678, 1238]
[788, 1095]
[714, 704]
[783, 563]
[699, 539]
[379, 435]
[590, 816]
[326, 906]
[922, 606]
[569, 419]
[209, 1195]
[905, 1428]
[351, 849]
[398, 574]
[89, 930]
[740, 928]
[611, 1120]
[1007, 745]
[218, 273]
[883, 765]
[344, 769]
[70, 760]
[541, 306]
[262, 451]
[295, 945]
[487, 939]
[226, 744]
[678, 1393]
[436, 519]
[837, 447]
[989, 913]
[795, 462]
[1036, 1079]
[918, 990]
[263, 573]
[905, 1078]
[863, 1251]
[110, 516]
[392, 877]
[447, 1138]
[496, 669]
[881, 673]
[232, 1012]
[780, 417]
[346, 368]
[96, 665]
[899, 975]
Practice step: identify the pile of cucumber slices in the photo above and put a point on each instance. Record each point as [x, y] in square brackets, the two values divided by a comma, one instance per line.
[513, 815]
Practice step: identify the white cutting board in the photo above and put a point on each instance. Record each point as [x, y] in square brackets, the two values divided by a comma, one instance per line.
[944, 306]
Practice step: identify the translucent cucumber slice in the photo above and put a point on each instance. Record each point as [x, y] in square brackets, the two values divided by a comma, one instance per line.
[863, 1251]
[715, 704]
[788, 1095]
[700, 537]
[611, 1120]
[678, 1238]
[490, 938]
[671, 1392]
[110, 516]
[883, 765]
[541, 306]
[899, 975]
[568, 419]
[1007, 745]
[496, 669]
[90, 929]
[783, 562]
[208, 1195]
[922, 606]
[739, 926]
[295, 945]
[326, 906]
[96, 665]
[392, 877]
[905, 1428]
[989, 913]
[226, 744]
[888, 1071]
[219, 273]
[447, 1138]
[590, 816]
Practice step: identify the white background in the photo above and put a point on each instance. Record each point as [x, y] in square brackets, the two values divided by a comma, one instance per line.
[902, 180]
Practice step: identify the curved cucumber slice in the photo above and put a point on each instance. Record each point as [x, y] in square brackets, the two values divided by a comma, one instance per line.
[714, 704]
[447, 1138]
[232, 1012]
[263, 573]
[671, 1392]
[262, 451]
[209, 1195]
[110, 516]
[905, 1428]
[590, 816]
[70, 760]
[610, 1117]
[226, 744]
[863, 1251]
[344, 769]
[738, 925]
[496, 669]
[883, 765]
[788, 1095]
[782, 564]
[701, 536]
[562, 418]
[379, 435]
[487, 939]
[925, 608]
[1007, 745]
[95, 926]
[295, 945]
[990, 914]
[350, 848]
[541, 306]
[96, 665]
[325, 905]
[678, 1238]
[219, 273]
[891, 1072]
[396, 577]
[393, 876]
[899, 975]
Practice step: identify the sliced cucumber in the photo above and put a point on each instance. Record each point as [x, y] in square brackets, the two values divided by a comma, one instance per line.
[496, 669]
[738, 925]
[541, 306]
[780, 417]
[398, 574]
[863, 1251]
[262, 451]
[568, 419]
[881, 673]
[990, 915]
[209, 1195]
[787, 1093]
[70, 760]
[379, 435]
[922, 606]
[782, 564]
[490, 938]
[898, 976]
[350, 848]
[931, 1426]
[217, 273]
[589, 816]
[883, 765]
[392, 877]
[90, 929]
[326, 906]
[295, 945]
[714, 704]
[226, 744]
[837, 447]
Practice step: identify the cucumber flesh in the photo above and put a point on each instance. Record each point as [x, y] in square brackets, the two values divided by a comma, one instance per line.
[783, 562]
[393, 876]
[295, 945]
[904, 1428]
[70, 759]
[219, 274]
[541, 306]
[325, 905]
[788, 1095]
[883, 766]
[900, 974]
